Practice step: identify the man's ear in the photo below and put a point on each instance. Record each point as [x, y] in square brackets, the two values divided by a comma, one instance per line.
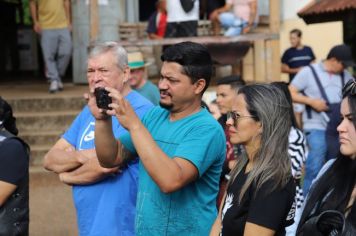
[199, 85]
[126, 72]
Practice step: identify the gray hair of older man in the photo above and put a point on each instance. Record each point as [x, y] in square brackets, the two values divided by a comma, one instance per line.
[118, 51]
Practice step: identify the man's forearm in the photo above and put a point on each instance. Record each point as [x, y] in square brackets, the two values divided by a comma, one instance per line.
[59, 161]
[106, 145]
[86, 174]
[67, 8]
[71, 178]
[166, 172]
[33, 8]
[287, 69]
[300, 98]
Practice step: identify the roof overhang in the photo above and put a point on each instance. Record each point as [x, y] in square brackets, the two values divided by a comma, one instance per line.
[318, 11]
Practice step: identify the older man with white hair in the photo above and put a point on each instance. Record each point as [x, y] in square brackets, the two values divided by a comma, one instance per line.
[105, 198]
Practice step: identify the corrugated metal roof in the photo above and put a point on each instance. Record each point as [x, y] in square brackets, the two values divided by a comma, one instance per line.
[327, 6]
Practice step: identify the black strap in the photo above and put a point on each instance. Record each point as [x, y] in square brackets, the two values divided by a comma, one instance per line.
[317, 80]
[321, 88]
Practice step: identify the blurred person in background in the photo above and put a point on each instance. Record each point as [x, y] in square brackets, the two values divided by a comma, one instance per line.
[214, 109]
[236, 16]
[157, 22]
[181, 21]
[52, 21]
[297, 56]
[138, 77]
[226, 93]
[293, 60]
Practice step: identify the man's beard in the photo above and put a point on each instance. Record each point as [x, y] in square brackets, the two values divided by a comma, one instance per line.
[166, 106]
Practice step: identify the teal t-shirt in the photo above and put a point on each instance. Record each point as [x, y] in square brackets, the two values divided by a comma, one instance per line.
[191, 210]
[150, 91]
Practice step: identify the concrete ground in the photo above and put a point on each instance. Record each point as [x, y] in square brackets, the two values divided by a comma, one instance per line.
[51, 206]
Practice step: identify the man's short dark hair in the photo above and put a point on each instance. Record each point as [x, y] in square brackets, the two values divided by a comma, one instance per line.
[298, 32]
[235, 81]
[195, 59]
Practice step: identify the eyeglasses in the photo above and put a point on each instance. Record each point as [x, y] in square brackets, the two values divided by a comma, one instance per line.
[236, 116]
[350, 88]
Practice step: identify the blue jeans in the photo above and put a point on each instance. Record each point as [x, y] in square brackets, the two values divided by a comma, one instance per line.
[316, 157]
[233, 24]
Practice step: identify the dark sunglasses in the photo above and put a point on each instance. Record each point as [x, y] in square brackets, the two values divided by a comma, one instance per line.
[236, 116]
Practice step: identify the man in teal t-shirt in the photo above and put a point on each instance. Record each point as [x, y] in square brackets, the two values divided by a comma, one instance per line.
[181, 147]
[138, 78]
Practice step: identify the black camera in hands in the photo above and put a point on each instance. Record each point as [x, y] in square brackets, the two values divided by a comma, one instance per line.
[102, 98]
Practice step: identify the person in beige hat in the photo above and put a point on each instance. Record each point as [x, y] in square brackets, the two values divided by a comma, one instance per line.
[138, 77]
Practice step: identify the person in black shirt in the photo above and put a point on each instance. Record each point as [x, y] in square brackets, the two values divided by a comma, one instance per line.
[259, 199]
[330, 208]
[14, 177]
[297, 56]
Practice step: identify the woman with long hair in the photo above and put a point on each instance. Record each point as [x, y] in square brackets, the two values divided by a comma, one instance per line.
[297, 152]
[260, 194]
[330, 207]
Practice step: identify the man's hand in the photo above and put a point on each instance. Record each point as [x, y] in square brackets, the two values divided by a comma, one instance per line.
[98, 113]
[37, 28]
[122, 110]
[319, 105]
[70, 27]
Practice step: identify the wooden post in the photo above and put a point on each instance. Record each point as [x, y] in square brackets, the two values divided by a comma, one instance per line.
[259, 61]
[272, 47]
[94, 20]
[248, 66]
[274, 19]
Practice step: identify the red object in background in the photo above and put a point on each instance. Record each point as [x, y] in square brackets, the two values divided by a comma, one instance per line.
[161, 27]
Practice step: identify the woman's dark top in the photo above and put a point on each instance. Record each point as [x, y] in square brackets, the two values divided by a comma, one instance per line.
[14, 164]
[273, 210]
